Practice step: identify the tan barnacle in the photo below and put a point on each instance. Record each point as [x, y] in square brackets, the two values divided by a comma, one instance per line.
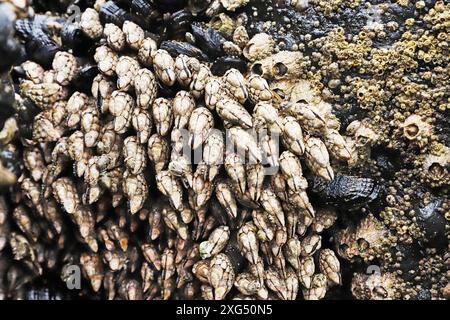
[299, 5]
[164, 66]
[247, 284]
[146, 88]
[170, 187]
[232, 5]
[213, 92]
[375, 286]
[255, 179]
[221, 275]
[200, 124]
[101, 90]
[292, 251]
[318, 288]
[90, 125]
[121, 107]
[44, 95]
[199, 80]
[135, 189]
[292, 171]
[75, 105]
[90, 24]
[162, 115]
[292, 285]
[216, 242]
[126, 70]
[276, 283]
[44, 130]
[152, 255]
[93, 268]
[259, 47]
[34, 161]
[317, 158]
[213, 152]
[183, 105]
[106, 60]
[258, 89]
[235, 168]
[270, 148]
[76, 146]
[292, 135]
[362, 132]
[235, 85]
[202, 190]
[201, 270]
[134, 155]
[309, 116]
[240, 36]
[65, 66]
[324, 219]
[114, 37]
[282, 65]
[336, 145]
[173, 222]
[306, 271]
[231, 49]
[272, 206]
[310, 244]
[142, 123]
[264, 224]
[415, 128]
[435, 167]
[246, 143]
[185, 68]
[234, 113]
[168, 271]
[147, 51]
[269, 115]
[33, 71]
[66, 194]
[330, 266]
[225, 196]
[158, 151]
[180, 166]
[134, 34]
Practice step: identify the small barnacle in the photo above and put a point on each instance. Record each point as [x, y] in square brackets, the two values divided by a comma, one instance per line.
[337, 146]
[106, 60]
[199, 80]
[364, 135]
[162, 111]
[234, 113]
[232, 5]
[134, 34]
[213, 92]
[142, 123]
[44, 95]
[330, 266]
[183, 105]
[101, 90]
[114, 37]
[376, 286]
[259, 47]
[44, 130]
[90, 24]
[235, 85]
[164, 67]
[258, 89]
[90, 125]
[414, 128]
[134, 155]
[121, 106]
[135, 189]
[436, 167]
[33, 71]
[65, 66]
[34, 162]
[146, 88]
[126, 70]
[147, 51]
[240, 36]
[317, 158]
[282, 65]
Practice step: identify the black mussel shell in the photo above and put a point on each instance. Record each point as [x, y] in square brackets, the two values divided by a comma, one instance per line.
[208, 39]
[178, 24]
[223, 64]
[11, 50]
[72, 37]
[177, 47]
[83, 80]
[110, 12]
[433, 223]
[6, 99]
[170, 5]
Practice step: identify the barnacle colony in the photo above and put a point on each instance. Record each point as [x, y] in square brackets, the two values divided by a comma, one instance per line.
[177, 181]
